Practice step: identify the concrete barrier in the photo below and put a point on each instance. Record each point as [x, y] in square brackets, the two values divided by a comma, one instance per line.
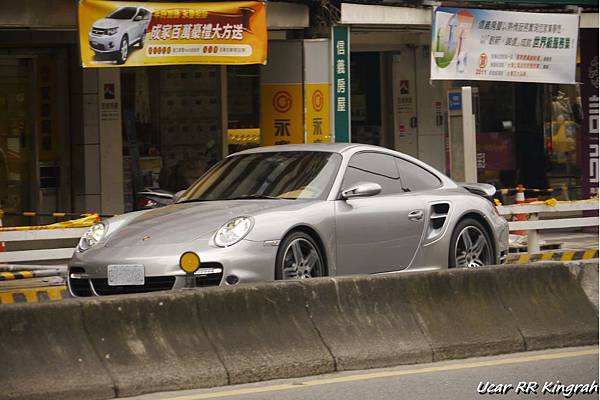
[45, 354]
[461, 314]
[548, 305]
[586, 273]
[263, 331]
[366, 322]
[152, 342]
[129, 345]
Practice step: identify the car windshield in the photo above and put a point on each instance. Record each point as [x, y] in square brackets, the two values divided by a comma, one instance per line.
[123, 13]
[275, 175]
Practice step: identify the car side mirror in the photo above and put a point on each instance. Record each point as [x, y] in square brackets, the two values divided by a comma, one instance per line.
[177, 196]
[362, 190]
[137, 18]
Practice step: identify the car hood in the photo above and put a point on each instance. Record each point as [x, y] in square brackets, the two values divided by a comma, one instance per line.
[106, 23]
[180, 223]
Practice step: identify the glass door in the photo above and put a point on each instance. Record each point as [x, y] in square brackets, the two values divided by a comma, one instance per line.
[17, 146]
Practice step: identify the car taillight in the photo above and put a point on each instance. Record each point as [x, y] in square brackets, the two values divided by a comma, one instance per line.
[144, 202]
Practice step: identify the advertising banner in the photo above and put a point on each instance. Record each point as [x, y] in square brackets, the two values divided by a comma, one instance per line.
[317, 113]
[472, 44]
[590, 126]
[139, 34]
[281, 114]
[341, 83]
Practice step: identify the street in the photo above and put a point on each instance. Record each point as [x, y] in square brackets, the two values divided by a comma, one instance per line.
[457, 379]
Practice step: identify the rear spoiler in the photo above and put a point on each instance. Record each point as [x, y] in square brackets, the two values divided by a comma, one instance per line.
[482, 189]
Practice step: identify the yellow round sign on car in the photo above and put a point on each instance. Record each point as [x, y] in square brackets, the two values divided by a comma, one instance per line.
[189, 262]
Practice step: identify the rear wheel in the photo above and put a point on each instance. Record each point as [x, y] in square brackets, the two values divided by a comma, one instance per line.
[298, 257]
[470, 245]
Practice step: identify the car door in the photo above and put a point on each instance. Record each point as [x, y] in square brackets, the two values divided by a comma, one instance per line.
[138, 25]
[379, 233]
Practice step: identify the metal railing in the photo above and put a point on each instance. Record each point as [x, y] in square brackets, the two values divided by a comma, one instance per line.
[552, 218]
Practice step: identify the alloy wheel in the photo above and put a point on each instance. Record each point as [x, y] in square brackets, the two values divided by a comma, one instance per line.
[124, 50]
[472, 248]
[301, 260]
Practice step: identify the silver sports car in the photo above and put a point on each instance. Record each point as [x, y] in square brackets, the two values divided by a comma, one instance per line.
[294, 212]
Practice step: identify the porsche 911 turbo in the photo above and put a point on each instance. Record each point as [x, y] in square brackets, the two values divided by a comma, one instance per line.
[296, 212]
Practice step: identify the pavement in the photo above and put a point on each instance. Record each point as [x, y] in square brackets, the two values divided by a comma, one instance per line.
[457, 379]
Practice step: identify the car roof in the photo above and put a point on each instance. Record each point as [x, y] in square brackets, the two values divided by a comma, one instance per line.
[330, 148]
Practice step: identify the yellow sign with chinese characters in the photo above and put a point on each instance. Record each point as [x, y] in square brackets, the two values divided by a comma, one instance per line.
[148, 33]
[281, 114]
[317, 125]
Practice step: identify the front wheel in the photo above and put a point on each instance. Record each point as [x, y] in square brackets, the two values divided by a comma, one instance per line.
[470, 245]
[298, 257]
[123, 51]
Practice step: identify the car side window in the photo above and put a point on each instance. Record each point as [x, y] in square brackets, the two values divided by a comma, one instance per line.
[373, 167]
[415, 178]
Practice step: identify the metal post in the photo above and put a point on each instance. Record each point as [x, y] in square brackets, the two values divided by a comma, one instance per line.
[533, 239]
[190, 281]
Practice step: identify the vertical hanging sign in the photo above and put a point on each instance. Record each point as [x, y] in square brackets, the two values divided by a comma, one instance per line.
[341, 83]
[588, 145]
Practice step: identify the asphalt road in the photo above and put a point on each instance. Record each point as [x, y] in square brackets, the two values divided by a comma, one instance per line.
[458, 379]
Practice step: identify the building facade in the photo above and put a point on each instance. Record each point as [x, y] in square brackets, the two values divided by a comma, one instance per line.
[75, 139]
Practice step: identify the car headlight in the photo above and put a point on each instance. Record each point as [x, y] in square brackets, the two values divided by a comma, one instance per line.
[233, 231]
[92, 236]
[112, 31]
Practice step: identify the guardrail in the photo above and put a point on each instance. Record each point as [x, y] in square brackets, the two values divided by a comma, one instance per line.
[41, 254]
[72, 229]
[533, 223]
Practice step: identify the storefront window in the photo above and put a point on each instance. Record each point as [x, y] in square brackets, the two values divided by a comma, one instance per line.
[527, 134]
[16, 138]
[365, 98]
[561, 133]
[171, 126]
[243, 86]
[496, 157]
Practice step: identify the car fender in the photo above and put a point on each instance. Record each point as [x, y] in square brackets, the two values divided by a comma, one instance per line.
[270, 227]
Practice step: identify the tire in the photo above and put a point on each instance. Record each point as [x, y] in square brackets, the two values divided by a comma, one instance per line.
[285, 262]
[470, 245]
[123, 52]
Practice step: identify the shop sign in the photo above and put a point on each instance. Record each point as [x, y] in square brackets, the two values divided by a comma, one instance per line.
[589, 148]
[146, 33]
[281, 114]
[317, 113]
[473, 44]
[454, 101]
[341, 83]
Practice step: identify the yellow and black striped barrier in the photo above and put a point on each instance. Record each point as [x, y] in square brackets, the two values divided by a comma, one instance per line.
[4, 213]
[559, 255]
[10, 276]
[511, 191]
[34, 295]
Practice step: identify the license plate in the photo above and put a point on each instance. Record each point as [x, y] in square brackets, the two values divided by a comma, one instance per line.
[125, 275]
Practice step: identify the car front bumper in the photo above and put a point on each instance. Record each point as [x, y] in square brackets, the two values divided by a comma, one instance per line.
[247, 260]
[104, 44]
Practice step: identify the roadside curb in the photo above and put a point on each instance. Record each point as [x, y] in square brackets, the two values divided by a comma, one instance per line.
[560, 255]
[34, 295]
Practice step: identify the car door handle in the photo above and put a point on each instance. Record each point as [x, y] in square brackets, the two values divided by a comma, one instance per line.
[415, 215]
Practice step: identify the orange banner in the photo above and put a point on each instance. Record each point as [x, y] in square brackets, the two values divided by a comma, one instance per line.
[117, 33]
